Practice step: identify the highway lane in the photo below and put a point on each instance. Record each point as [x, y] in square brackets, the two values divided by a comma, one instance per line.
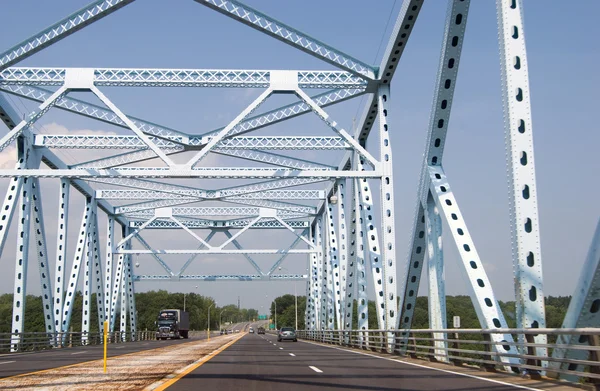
[18, 363]
[259, 362]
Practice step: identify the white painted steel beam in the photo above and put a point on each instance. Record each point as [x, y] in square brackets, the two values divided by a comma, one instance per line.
[152, 77]
[287, 34]
[524, 221]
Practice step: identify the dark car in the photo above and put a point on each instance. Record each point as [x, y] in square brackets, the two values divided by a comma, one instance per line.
[287, 333]
[260, 330]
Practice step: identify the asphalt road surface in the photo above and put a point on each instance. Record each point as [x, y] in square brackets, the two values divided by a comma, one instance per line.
[259, 362]
[19, 363]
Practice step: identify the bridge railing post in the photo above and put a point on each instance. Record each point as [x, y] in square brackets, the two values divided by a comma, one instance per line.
[594, 341]
[431, 349]
[455, 351]
[531, 351]
[487, 356]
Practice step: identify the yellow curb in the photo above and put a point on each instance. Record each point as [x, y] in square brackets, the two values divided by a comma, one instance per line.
[194, 366]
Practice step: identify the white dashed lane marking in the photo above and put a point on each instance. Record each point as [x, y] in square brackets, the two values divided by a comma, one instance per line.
[85, 351]
[292, 354]
[315, 369]
[6, 362]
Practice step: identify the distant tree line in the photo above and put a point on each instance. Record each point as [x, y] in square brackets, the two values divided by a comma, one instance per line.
[148, 305]
[556, 308]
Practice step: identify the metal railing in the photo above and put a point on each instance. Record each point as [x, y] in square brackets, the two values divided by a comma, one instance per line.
[26, 342]
[477, 347]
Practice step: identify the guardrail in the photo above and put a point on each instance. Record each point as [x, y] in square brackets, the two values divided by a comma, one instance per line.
[477, 347]
[25, 342]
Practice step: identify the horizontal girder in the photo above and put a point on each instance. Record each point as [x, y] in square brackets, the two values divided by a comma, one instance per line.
[218, 211]
[215, 224]
[228, 277]
[131, 77]
[202, 172]
[134, 142]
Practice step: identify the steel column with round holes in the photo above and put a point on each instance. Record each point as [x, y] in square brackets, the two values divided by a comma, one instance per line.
[42, 254]
[21, 266]
[61, 252]
[437, 285]
[524, 221]
[369, 231]
[342, 241]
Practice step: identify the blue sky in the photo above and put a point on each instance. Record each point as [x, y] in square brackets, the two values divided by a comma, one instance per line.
[563, 54]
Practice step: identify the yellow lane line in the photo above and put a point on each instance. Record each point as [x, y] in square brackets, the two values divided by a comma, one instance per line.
[194, 366]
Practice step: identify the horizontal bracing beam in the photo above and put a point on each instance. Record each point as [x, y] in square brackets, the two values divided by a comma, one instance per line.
[202, 172]
[219, 224]
[229, 277]
[111, 194]
[218, 251]
[102, 114]
[287, 34]
[146, 77]
[218, 211]
[134, 142]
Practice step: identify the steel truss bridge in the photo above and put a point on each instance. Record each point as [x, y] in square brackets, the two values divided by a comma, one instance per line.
[330, 208]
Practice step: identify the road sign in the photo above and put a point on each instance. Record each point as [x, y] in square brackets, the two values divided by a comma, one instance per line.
[456, 322]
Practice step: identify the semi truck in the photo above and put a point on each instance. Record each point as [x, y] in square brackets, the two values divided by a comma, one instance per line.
[172, 323]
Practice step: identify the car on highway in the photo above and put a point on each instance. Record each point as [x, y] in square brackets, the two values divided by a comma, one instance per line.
[261, 330]
[251, 330]
[287, 333]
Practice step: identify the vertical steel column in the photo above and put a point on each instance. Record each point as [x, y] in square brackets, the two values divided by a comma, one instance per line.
[87, 284]
[388, 235]
[330, 259]
[342, 237]
[334, 263]
[369, 230]
[123, 297]
[361, 270]
[312, 319]
[108, 271]
[21, 263]
[61, 253]
[42, 255]
[527, 259]
[351, 279]
[76, 267]
[131, 296]
[437, 289]
[97, 269]
[117, 285]
[321, 310]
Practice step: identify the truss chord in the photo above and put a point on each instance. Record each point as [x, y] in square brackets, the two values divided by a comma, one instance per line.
[284, 33]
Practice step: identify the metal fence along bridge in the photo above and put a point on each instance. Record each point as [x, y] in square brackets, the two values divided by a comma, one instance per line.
[340, 216]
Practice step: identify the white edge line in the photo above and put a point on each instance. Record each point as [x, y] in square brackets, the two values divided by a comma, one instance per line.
[315, 369]
[426, 367]
[6, 362]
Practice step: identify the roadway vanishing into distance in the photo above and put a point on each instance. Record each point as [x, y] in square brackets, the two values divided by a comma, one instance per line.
[259, 362]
